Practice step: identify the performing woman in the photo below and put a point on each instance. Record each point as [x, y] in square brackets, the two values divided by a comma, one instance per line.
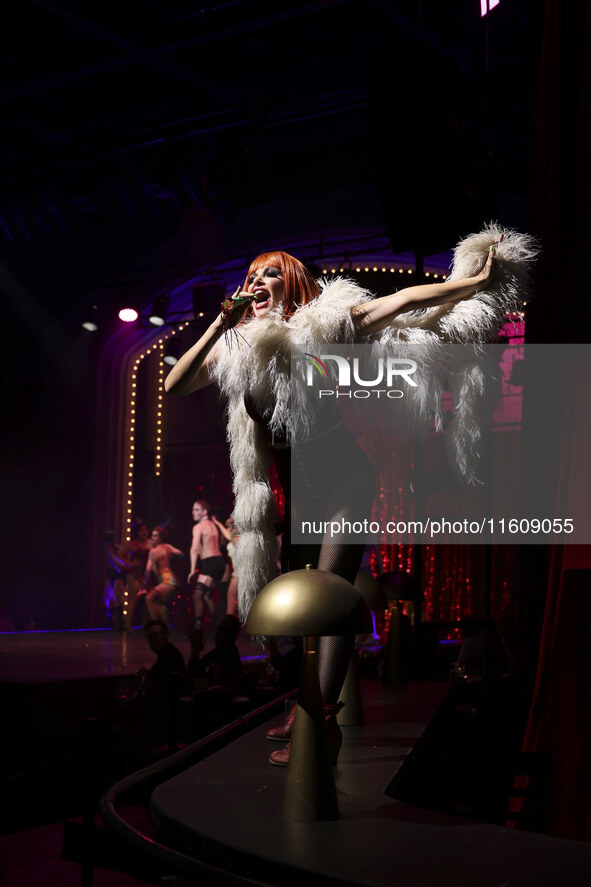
[166, 582]
[116, 570]
[135, 555]
[280, 307]
[229, 579]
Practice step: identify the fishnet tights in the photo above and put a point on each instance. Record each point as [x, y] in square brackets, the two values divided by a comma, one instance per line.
[334, 652]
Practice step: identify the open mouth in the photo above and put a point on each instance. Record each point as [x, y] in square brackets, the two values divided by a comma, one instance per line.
[261, 298]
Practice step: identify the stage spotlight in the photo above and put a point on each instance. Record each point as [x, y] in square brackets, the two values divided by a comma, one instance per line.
[128, 315]
[172, 352]
[91, 319]
[159, 309]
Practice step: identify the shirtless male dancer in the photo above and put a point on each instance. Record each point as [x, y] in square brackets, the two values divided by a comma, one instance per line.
[159, 564]
[205, 546]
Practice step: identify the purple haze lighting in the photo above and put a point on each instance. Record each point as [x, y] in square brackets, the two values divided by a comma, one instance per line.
[128, 315]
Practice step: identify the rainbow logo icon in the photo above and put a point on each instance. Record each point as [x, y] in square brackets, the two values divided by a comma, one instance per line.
[317, 364]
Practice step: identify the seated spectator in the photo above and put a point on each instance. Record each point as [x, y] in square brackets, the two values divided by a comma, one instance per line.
[169, 666]
[221, 667]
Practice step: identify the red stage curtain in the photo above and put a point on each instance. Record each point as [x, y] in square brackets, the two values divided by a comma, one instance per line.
[560, 715]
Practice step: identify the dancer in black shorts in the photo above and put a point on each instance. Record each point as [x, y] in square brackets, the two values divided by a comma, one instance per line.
[205, 547]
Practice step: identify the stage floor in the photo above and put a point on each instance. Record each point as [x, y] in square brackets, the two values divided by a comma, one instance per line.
[34, 657]
[228, 811]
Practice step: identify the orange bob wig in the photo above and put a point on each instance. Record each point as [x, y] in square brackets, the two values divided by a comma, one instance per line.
[300, 286]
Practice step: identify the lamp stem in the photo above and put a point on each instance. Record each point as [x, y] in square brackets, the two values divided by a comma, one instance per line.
[310, 794]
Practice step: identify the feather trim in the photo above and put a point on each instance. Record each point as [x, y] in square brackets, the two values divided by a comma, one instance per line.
[258, 364]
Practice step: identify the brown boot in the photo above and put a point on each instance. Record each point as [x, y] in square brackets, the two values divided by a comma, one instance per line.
[283, 733]
[280, 757]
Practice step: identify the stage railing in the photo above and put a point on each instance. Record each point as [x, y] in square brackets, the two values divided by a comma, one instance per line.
[138, 787]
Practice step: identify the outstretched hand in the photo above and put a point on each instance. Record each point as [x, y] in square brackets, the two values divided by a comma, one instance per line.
[485, 276]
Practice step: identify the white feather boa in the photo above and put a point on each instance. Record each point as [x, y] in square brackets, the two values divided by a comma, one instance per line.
[259, 364]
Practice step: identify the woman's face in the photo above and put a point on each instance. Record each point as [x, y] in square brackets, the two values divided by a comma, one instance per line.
[268, 288]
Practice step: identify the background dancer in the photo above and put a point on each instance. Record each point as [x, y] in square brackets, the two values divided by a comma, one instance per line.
[135, 553]
[229, 534]
[159, 565]
[207, 561]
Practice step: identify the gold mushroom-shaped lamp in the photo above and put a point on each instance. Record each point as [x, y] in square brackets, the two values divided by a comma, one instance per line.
[351, 715]
[308, 603]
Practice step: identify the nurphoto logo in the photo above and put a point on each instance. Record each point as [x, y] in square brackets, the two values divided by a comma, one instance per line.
[349, 372]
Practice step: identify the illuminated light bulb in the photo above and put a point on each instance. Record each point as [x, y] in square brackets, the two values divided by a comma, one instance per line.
[426, 273]
[375, 268]
[366, 269]
[358, 269]
[410, 270]
[436, 275]
[383, 269]
[128, 315]
[333, 270]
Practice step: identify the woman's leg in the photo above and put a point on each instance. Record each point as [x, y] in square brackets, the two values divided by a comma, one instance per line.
[156, 601]
[335, 651]
[232, 597]
[222, 587]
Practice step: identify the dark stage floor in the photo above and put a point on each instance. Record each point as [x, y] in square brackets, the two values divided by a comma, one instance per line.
[48, 656]
[229, 808]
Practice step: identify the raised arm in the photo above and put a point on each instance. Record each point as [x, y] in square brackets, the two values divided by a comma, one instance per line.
[191, 372]
[375, 315]
[149, 567]
[228, 536]
[123, 553]
[172, 550]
